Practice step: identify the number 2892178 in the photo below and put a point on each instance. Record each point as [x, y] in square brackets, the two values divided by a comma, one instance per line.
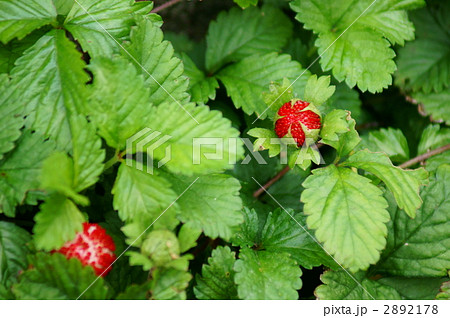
[410, 309]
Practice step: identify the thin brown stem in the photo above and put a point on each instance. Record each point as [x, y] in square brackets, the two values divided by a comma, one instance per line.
[366, 126]
[165, 5]
[279, 175]
[406, 164]
[111, 162]
[425, 156]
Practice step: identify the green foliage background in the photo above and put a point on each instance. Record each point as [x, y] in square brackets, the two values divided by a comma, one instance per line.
[79, 78]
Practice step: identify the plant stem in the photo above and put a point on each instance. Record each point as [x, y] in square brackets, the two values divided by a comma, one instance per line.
[365, 126]
[165, 5]
[111, 162]
[406, 164]
[425, 156]
[279, 175]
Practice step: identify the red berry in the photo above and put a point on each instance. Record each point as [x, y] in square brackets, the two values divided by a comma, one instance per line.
[92, 247]
[296, 122]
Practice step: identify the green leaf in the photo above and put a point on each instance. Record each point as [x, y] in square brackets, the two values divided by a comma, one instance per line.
[246, 172]
[240, 33]
[87, 153]
[187, 237]
[57, 176]
[390, 141]
[94, 23]
[335, 124]
[424, 65]
[249, 231]
[6, 293]
[169, 284]
[444, 292]
[211, 204]
[201, 87]
[404, 184]
[287, 190]
[217, 278]
[11, 51]
[278, 95]
[63, 6]
[20, 172]
[435, 104]
[13, 251]
[10, 122]
[182, 43]
[119, 101]
[246, 80]
[303, 157]
[421, 247]
[67, 175]
[266, 275]
[139, 259]
[433, 137]
[344, 98]
[163, 284]
[263, 141]
[436, 161]
[162, 71]
[123, 274]
[348, 213]
[55, 277]
[353, 38]
[249, 187]
[57, 222]
[141, 198]
[161, 246]
[150, 258]
[281, 233]
[367, 59]
[246, 3]
[193, 142]
[135, 292]
[412, 288]
[298, 48]
[338, 131]
[318, 90]
[17, 18]
[49, 82]
[340, 286]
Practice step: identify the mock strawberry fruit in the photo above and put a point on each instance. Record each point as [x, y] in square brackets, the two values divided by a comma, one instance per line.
[93, 247]
[299, 120]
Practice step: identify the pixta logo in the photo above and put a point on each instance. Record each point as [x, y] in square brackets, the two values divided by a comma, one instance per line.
[148, 144]
[143, 144]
